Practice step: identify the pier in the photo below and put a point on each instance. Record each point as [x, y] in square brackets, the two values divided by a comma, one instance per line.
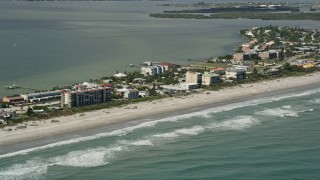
[20, 87]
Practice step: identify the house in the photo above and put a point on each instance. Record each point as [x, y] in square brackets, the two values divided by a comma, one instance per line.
[9, 115]
[131, 94]
[220, 71]
[144, 93]
[246, 68]
[120, 75]
[235, 73]
[2, 122]
[139, 80]
[272, 72]
[208, 78]
[245, 47]
[168, 66]
[39, 111]
[108, 85]
[14, 99]
[107, 81]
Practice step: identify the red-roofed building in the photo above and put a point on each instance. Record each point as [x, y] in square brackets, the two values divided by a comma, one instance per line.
[14, 99]
[245, 47]
[109, 85]
[167, 65]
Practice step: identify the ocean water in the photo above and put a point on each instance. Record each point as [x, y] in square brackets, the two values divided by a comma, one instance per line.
[44, 44]
[262, 138]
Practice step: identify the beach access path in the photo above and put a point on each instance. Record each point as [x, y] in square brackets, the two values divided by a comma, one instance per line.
[106, 117]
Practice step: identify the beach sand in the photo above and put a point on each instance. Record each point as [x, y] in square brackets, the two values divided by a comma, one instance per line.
[106, 117]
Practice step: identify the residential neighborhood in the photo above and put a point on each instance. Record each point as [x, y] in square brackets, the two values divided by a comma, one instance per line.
[269, 52]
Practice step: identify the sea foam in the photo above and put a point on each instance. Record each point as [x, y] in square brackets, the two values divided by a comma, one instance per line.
[32, 169]
[87, 158]
[315, 101]
[204, 113]
[236, 123]
[278, 112]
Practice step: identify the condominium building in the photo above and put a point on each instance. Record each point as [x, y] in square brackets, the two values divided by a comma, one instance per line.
[131, 94]
[193, 77]
[85, 97]
[152, 70]
[208, 78]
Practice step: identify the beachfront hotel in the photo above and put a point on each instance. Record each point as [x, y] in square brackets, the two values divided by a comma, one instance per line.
[85, 97]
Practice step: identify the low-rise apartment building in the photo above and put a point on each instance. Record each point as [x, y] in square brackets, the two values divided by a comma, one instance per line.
[208, 79]
[236, 73]
[152, 70]
[131, 94]
[42, 96]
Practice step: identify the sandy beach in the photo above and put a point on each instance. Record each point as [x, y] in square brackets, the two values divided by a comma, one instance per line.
[106, 117]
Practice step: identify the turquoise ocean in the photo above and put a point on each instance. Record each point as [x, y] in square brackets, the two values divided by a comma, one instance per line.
[266, 137]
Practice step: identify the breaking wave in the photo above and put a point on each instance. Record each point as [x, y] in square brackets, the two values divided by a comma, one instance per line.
[101, 156]
[32, 169]
[315, 101]
[284, 111]
[203, 113]
[238, 123]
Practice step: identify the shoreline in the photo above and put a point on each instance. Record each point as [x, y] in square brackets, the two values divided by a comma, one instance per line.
[94, 122]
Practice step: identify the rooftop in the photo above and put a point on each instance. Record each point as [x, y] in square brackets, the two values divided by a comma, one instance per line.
[14, 97]
[88, 90]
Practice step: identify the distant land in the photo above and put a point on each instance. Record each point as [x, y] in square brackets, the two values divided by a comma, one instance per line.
[244, 15]
[264, 11]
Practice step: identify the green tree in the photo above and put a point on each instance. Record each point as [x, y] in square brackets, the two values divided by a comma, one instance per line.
[29, 111]
[289, 53]
[153, 91]
[287, 67]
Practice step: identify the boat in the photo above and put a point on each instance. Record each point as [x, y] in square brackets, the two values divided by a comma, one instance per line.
[14, 86]
[131, 65]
